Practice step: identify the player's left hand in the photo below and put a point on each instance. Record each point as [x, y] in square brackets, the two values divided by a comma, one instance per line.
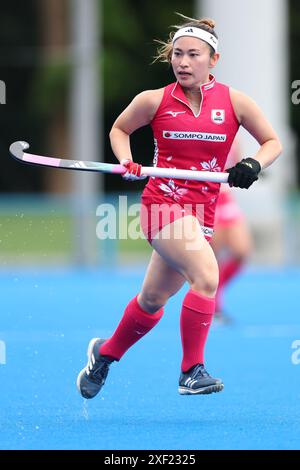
[133, 172]
[244, 173]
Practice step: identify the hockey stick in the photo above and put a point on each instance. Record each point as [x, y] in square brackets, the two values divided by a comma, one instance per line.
[17, 151]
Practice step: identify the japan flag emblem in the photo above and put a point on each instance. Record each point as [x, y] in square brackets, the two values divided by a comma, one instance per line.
[218, 116]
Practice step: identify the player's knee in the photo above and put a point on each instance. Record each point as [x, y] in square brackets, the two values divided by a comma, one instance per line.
[207, 288]
[206, 283]
[152, 301]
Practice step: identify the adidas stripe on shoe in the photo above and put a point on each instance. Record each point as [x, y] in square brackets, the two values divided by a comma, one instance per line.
[197, 381]
[91, 379]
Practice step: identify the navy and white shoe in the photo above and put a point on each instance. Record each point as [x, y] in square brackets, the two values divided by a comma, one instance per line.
[92, 378]
[198, 381]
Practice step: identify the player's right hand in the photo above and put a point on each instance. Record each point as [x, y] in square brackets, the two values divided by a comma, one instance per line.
[133, 172]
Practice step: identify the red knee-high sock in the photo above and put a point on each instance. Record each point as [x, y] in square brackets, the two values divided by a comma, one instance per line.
[134, 324]
[227, 269]
[196, 316]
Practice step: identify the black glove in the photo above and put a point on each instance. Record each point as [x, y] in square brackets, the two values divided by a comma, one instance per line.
[244, 173]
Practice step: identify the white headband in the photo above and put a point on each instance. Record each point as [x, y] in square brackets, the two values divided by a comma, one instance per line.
[197, 33]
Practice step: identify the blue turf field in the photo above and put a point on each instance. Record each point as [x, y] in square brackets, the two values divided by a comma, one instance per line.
[47, 320]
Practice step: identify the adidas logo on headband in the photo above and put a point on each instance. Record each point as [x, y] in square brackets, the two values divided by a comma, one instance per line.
[197, 33]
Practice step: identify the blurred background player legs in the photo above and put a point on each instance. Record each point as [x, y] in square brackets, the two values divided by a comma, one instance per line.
[232, 245]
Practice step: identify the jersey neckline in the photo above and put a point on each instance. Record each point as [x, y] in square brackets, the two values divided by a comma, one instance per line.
[178, 93]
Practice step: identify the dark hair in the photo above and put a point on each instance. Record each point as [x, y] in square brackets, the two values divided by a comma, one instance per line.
[164, 52]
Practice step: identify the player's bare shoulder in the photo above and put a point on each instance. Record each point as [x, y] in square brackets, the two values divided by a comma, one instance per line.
[239, 97]
[150, 100]
[241, 103]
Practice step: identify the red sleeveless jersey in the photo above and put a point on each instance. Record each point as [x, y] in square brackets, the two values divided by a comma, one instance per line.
[185, 140]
